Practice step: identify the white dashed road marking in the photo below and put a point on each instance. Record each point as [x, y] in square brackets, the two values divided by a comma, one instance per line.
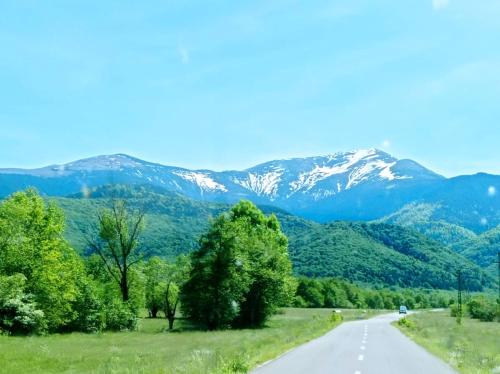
[361, 358]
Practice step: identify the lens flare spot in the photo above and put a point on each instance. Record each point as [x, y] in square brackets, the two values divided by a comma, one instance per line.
[85, 191]
[386, 143]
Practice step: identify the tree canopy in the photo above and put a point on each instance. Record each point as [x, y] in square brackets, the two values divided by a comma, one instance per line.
[31, 244]
[241, 273]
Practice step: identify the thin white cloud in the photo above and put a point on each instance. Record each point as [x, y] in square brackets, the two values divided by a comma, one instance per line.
[184, 55]
[440, 4]
[386, 144]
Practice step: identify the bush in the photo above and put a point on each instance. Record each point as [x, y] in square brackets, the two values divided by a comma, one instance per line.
[336, 317]
[18, 311]
[90, 316]
[482, 308]
[405, 322]
[120, 316]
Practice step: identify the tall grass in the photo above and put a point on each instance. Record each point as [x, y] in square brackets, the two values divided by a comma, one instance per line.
[472, 347]
[151, 349]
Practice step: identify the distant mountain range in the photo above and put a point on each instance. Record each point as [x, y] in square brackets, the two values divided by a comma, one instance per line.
[359, 185]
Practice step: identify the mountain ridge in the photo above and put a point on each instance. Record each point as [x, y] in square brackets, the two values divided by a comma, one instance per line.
[360, 185]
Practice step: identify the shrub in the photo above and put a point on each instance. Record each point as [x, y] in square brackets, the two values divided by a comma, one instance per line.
[405, 322]
[336, 317]
[482, 308]
[18, 311]
[119, 316]
[90, 317]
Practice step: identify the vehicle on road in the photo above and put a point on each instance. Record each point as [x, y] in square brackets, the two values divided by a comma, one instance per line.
[403, 309]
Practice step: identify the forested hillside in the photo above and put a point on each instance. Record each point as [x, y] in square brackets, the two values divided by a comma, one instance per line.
[378, 253]
[421, 217]
[368, 253]
[483, 249]
[480, 248]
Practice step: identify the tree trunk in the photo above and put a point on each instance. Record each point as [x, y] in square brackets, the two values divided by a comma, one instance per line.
[171, 320]
[124, 287]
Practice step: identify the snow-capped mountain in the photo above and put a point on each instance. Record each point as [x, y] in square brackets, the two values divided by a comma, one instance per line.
[362, 184]
[327, 176]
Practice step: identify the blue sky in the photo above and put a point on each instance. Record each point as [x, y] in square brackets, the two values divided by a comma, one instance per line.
[228, 84]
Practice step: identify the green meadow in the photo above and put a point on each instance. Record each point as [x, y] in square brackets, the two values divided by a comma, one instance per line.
[151, 349]
[472, 347]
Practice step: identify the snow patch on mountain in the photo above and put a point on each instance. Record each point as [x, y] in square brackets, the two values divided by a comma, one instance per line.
[307, 180]
[266, 184]
[387, 173]
[202, 180]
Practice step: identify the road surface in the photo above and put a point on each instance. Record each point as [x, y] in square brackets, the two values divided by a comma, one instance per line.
[371, 346]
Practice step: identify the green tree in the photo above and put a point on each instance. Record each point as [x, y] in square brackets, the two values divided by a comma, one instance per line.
[117, 242]
[154, 271]
[115, 313]
[311, 291]
[374, 300]
[241, 273]
[176, 276]
[269, 267]
[217, 279]
[32, 244]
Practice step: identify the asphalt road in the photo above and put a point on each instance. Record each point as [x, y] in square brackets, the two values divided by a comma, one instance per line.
[362, 347]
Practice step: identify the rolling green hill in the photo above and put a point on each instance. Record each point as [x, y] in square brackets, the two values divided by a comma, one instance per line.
[421, 217]
[480, 248]
[378, 253]
[483, 249]
[370, 253]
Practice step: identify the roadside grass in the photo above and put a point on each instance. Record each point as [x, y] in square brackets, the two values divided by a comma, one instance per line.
[473, 347]
[151, 349]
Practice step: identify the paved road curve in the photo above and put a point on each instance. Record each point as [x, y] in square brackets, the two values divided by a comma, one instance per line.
[362, 347]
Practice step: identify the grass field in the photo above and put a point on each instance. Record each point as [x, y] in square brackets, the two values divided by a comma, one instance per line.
[473, 347]
[151, 349]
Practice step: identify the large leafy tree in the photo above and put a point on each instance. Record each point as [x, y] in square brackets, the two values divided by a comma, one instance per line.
[117, 243]
[217, 280]
[271, 284]
[241, 273]
[32, 244]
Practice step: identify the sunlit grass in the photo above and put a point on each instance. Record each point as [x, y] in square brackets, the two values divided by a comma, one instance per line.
[473, 347]
[151, 349]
